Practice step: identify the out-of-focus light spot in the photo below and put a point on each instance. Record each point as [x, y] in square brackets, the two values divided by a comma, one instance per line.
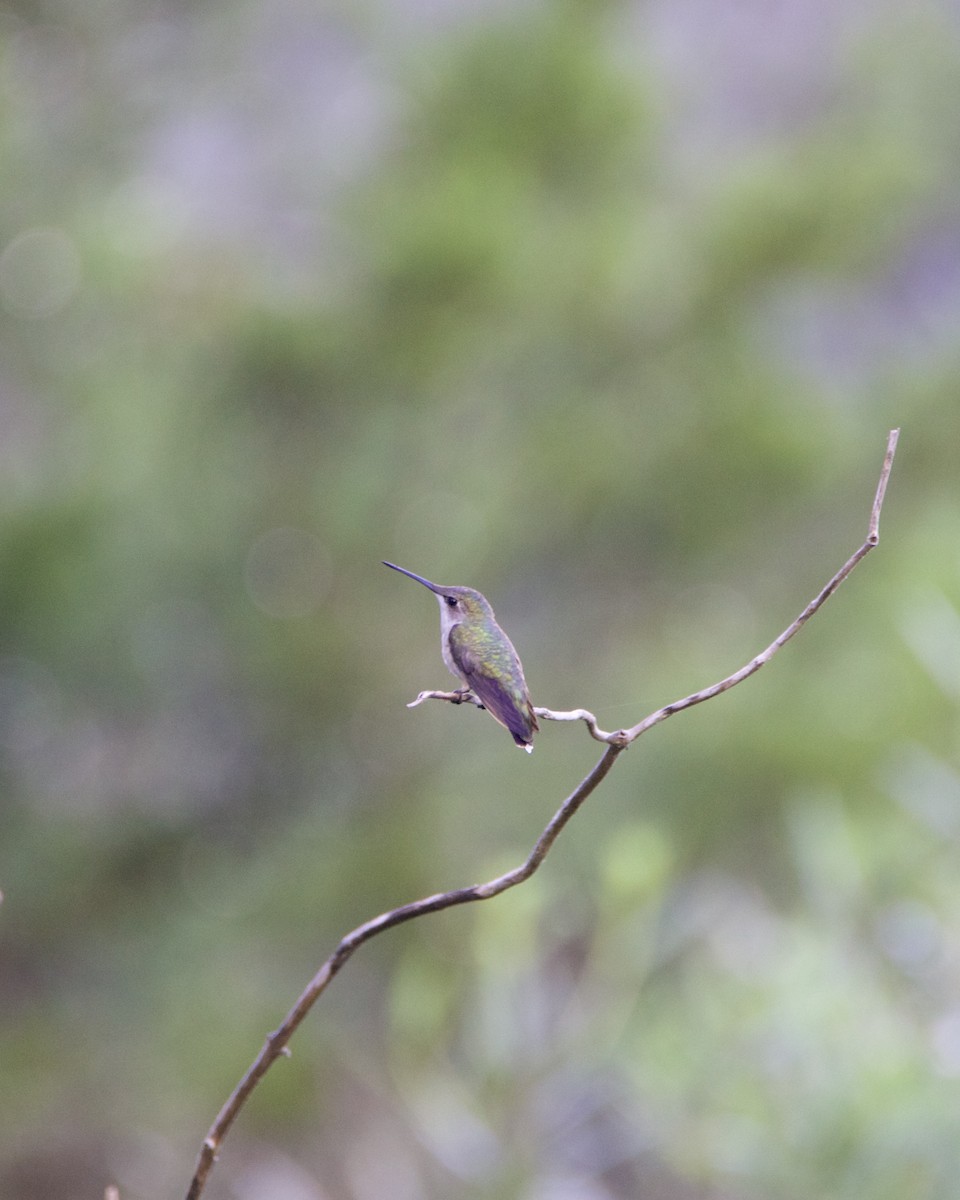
[910, 936]
[945, 1039]
[146, 216]
[39, 273]
[744, 935]
[455, 1135]
[748, 939]
[931, 628]
[574, 1187]
[72, 772]
[287, 573]
[277, 1178]
[379, 1163]
[31, 705]
[732, 1142]
[637, 863]
[928, 788]
[142, 1161]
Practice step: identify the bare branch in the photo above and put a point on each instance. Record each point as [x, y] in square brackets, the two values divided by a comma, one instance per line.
[464, 696]
[581, 714]
[276, 1044]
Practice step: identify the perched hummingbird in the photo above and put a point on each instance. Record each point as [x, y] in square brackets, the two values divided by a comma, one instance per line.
[478, 652]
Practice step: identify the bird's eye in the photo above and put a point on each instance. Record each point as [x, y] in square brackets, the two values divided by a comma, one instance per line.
[451, 600]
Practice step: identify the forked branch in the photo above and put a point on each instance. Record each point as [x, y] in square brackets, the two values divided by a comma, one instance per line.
[276, 1044]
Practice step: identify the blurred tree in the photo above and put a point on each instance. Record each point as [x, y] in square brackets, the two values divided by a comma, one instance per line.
[604, 310]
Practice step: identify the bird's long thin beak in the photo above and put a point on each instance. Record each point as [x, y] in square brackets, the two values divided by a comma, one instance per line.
[419, 578]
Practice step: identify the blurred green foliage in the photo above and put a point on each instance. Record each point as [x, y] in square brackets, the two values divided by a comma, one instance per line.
[605, 310]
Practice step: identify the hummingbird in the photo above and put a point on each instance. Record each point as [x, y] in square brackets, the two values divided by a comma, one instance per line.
[479, 653]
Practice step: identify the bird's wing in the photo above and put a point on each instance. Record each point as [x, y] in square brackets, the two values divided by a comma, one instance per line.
[491, 693]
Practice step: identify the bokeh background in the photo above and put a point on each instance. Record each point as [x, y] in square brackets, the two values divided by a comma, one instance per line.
[605, 309]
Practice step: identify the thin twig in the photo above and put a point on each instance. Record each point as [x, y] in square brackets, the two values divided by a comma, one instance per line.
[464, 696]
[276, 1043]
